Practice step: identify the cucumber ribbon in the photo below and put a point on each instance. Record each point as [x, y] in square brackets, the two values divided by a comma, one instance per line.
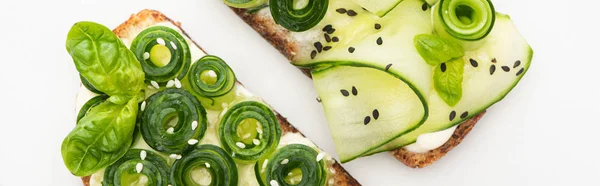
[204, 161]
[298, 15]
[289, 163]
[212, 80]
[464, 20]
[138, 167]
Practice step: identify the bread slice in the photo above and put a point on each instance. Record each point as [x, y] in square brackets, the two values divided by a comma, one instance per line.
[284, 41]
[146, 18]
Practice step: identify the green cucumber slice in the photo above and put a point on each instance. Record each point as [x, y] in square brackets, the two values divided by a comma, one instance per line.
[504, 50]
[366, 108]
[366, 40]
[378, 7]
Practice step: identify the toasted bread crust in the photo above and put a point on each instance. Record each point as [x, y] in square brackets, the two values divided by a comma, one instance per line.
[146, 18]
[268, 29]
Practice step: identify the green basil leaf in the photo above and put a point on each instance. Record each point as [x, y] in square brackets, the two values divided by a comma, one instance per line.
[100, 138]
[447, 80]
[436, 50]
[104, 61]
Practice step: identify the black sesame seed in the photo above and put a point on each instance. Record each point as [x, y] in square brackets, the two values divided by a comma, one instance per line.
[492, 69]
[326, 48]
[375, 114]
[345, 92]
[354, 91]
[313, 54]
[464, 115]
[319, 46]
[424, 7]
[335, 39]
[494, 60]
[443, 67]
[341, 10]
[367, 120]
[387, 67]
[364, 9]
[521, 71]
[351, 13]
[319, 99]
[506, 68]
[327, 38]
[452, 115]
[379, 41]
[474, 63]
[517, 63]
[377, 26]
[351, 49]
[331, 31]
[327, 28]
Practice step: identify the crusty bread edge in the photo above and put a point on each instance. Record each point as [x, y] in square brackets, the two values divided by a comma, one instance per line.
[284, 42]
[146, 18]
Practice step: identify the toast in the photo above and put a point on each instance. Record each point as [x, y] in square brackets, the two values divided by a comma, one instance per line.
[282, 39]
[146, 18]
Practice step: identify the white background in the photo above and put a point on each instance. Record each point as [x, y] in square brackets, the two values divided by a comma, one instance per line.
[546, 132]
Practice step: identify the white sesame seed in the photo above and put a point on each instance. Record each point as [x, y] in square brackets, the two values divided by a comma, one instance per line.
[178, 156]
[264, 165]
[289, 174]
[247, 135]
[173, 156]
[170, 83]
[170, 130]
[259, 130]
[160, 41]
[274, 183]
[212, 74]
[143, 106]
[192, 141]
[331, 181]
[173, 45]
[256, 141]
[240, 145]
[146, 55]
[143, 154]
[139, 167]
[177, 83]
[207, 165]
[285, 161]
[320, 156]
[332, 170]
[155, 84]
[233, 154]
[194, 125]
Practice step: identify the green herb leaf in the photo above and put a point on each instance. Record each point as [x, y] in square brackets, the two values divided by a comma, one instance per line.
[436, 50]
[447, 80]
[104, 61]
[100, 138]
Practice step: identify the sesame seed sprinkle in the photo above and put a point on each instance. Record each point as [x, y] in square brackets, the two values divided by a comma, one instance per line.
[178, 156]
[143, 154]
[351, 49]
[464, 115]
[379, 41]
[367, 120]
[492, 69]
[327, 48]
[345, 92]
[327, 28]
[320, 156]
[264, 165]
[443, 67]
[161, 41]
[170, 83]
[332, 170]
[171, 130]
[521, 71]
[192, 141]
[207, 165]
[318, 46]
[377, 26]
[341, 10]
[173, 45]
[387, 67]
[517, 63]
[274, 183]
[335, 39]
[351, 13]
[424, 7]
[506, 68]
[139, 167]
[473, 63]
[354, 91]
[256, 142]
[143, 106]
[247, 135]
[177, 83]
[452, 115]
[327, 37]
[173, 156]
[331, 181]
[313, 54]
[155, 84]
[240, 145]
[146, 55]
[285, 161]
[194, 125]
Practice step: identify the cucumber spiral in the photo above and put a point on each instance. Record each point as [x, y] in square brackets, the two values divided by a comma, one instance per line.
[465, 20]
[294, 164]
[138, 166]
[204, 165]
[245, 3]
[163, 53]
[89, 105]
[249, 130]
[295, 17]
[172, 121]
[212, 80]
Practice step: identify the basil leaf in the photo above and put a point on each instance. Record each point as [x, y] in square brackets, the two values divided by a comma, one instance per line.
[436, 50]
[100, 138]
[104, 61]
[447, 80]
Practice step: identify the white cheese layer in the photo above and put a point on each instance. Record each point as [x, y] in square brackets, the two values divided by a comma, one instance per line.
[429, 141]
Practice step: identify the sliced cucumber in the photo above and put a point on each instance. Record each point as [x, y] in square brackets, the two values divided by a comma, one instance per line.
[366, 40]
[378, 7]
[490, 73]
[366, 108]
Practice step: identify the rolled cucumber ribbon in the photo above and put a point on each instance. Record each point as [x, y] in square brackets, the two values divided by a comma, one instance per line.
[212, 80]
[204, 165]
[298, 15]
[249, 131]
[138, 167]
[163, 53]
[294, 164]
[245, 3]
[172, 121]
[466, 21]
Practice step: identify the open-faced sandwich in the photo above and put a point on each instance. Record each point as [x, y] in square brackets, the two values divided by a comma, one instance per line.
[411, 77]
[155, 109]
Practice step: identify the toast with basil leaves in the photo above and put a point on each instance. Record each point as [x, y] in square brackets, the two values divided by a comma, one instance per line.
[456, 67]
[233, 133]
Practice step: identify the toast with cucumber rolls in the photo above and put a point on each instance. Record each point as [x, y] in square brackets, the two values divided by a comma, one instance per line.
[409, 77]
[155, 109]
